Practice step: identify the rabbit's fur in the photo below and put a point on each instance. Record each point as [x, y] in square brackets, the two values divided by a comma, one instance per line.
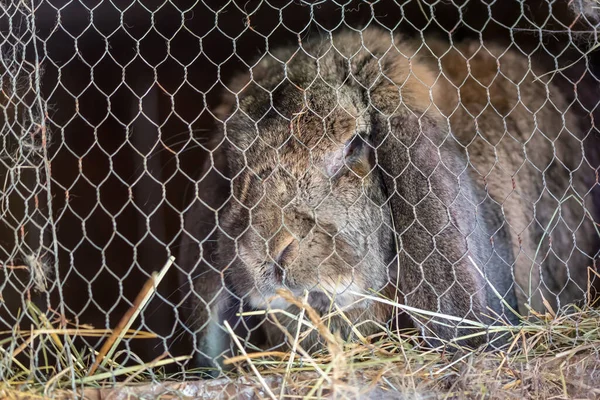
[333, 146]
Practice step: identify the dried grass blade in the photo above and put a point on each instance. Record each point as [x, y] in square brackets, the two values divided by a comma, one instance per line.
[252, 366]
[126, 321]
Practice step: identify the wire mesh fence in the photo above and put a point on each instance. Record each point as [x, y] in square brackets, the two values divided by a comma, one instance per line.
[187, 181]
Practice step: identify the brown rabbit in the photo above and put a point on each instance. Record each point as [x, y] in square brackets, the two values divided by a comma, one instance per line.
[442, 176]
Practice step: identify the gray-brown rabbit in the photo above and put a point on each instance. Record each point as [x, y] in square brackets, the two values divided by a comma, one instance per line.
[334, 145]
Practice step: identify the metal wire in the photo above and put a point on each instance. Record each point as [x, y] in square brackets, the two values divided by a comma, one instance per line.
[136, 131]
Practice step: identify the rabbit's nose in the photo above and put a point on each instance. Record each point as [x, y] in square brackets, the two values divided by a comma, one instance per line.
[285, 256]
[285, 251]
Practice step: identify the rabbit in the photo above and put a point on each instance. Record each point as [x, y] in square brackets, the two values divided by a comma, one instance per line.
[442, 176]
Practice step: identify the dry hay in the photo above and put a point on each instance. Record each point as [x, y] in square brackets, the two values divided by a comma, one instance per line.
[553, 356]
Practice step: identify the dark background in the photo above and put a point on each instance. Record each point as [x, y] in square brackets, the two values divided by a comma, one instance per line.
[126, 82]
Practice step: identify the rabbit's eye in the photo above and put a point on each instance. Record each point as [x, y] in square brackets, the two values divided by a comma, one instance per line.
[357, 155]
[356, 150]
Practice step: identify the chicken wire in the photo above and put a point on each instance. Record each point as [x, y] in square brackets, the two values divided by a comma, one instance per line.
[111, 113]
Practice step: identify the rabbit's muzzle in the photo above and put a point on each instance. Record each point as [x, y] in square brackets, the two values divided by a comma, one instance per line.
[323, 267]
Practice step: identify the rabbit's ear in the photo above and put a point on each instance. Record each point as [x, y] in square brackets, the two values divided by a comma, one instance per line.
[440, 231]
[417, 158]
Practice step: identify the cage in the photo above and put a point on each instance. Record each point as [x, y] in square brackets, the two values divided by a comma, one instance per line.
[142, 140]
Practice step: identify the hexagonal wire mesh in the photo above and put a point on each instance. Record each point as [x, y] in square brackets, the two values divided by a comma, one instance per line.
[280, 144]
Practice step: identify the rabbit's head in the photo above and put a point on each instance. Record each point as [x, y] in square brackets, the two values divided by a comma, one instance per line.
[307, 219]
[309, 209]
[306, 211]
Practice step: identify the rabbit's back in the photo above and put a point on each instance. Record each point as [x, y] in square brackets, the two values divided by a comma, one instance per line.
[523, 141]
